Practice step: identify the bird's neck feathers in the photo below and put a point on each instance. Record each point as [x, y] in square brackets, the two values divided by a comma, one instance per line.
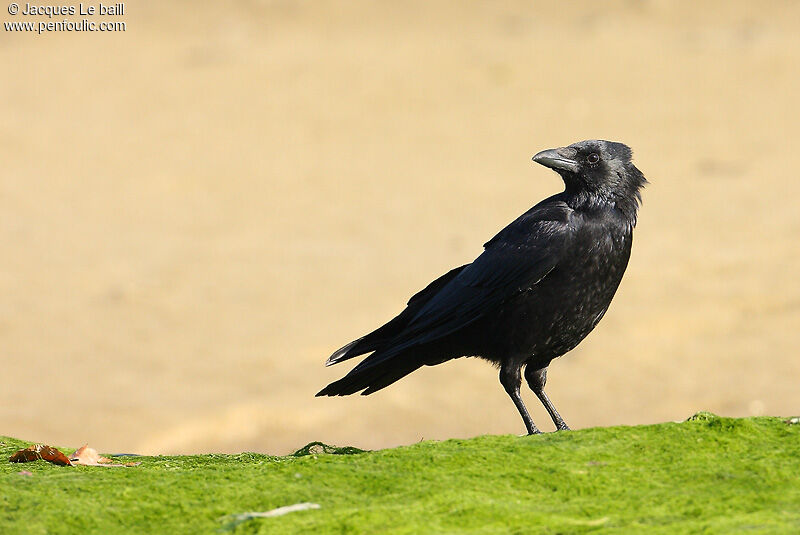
[623, 193]
[628, 195]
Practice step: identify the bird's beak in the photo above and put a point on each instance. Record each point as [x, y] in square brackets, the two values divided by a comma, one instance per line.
[558, 159]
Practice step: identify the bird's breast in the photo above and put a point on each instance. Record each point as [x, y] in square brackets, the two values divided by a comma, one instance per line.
[553, 316]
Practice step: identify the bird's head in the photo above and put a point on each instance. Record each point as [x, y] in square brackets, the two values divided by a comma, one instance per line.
[598, 169]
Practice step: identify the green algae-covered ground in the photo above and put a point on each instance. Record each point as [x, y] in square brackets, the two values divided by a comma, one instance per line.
[705, 475]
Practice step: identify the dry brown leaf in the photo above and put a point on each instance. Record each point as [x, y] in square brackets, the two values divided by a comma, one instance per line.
[87, 456]
[40, 451]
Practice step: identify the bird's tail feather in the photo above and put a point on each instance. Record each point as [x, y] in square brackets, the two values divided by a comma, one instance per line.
[345, 352]
[371, 379]
[370, 342]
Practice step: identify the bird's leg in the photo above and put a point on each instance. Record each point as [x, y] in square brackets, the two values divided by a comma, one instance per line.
[536, 380]
[510, 379]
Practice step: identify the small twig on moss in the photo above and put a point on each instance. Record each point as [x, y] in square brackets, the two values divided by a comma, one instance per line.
[235, 520]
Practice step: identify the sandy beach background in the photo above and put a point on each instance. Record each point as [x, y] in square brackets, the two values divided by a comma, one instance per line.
[194, 213]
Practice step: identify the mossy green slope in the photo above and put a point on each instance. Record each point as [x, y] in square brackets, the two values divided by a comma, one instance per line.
[707, 475]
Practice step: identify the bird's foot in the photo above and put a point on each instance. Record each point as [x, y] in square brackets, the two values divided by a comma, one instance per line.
[562, 427]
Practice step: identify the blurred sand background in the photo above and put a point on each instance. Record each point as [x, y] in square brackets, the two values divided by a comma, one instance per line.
[196, 212]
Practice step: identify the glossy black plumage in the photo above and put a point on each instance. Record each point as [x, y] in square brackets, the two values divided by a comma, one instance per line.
[540, 286]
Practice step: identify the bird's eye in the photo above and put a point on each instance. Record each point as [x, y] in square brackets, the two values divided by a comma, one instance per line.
[593, 158]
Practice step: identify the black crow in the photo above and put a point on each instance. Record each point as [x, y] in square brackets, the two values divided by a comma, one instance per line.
[537, 290]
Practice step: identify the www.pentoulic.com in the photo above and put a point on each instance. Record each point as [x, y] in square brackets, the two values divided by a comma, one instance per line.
[83, 25]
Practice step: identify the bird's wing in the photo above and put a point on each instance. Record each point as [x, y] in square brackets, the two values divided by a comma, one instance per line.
[381, 335]
[501, 272]
[514, 261]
